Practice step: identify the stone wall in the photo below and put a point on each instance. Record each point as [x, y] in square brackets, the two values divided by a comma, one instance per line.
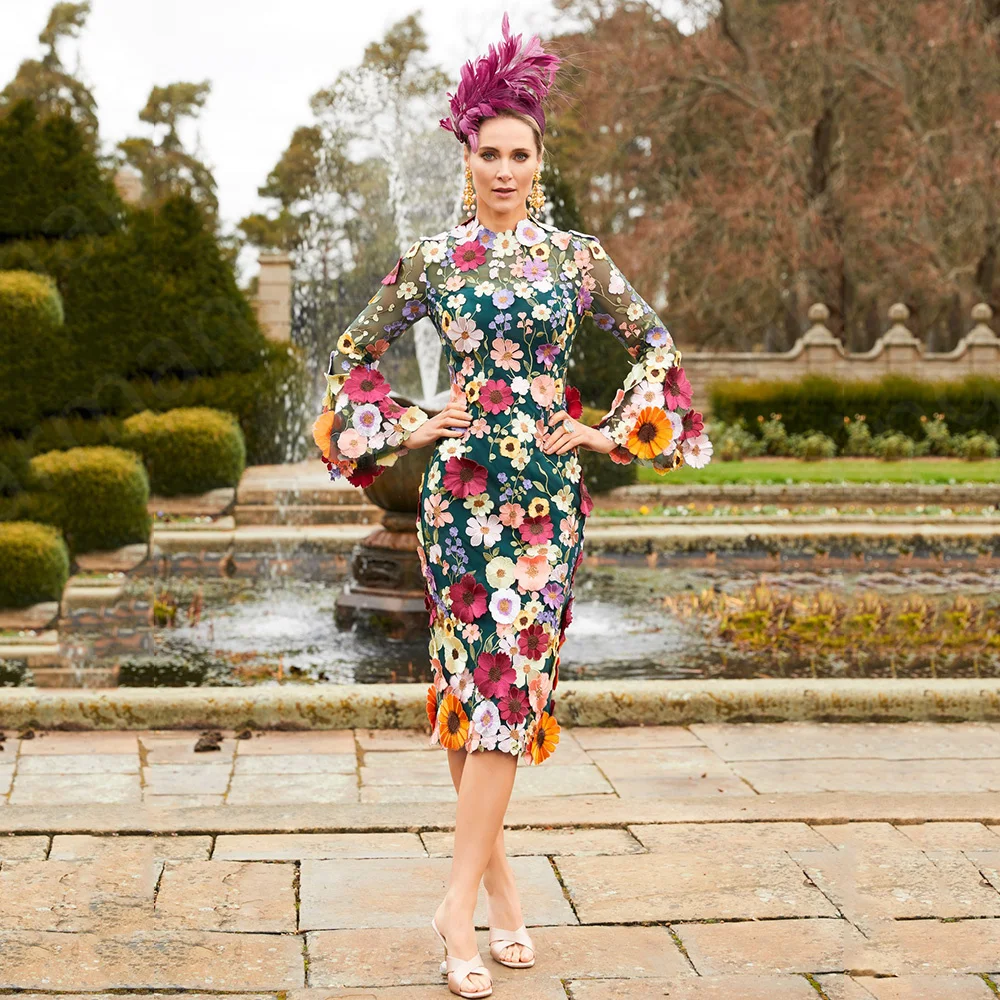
[818, 351]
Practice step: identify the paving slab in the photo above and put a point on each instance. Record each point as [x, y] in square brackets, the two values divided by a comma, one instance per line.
[150, 959]
[186, 779]
[562, 842]
[396, 892]
[727, 838]
[227, 896]
[67, 789]
[295, 763]
[116, 850]
[871, 885]
[925, 987]
[960, 836]
[748, 987]
[97, 763]
[772, 946]
[871, 775]
[67, 896]
[254, 789]
[332, 741]
[916, 740]
[23, 848]
[317, 846]
[688, 886]
[933, 947]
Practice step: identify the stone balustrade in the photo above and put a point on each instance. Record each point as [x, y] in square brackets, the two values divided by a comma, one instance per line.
[818, 351]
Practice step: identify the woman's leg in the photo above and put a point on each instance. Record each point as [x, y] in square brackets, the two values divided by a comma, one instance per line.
[483, 794]
[498, 878]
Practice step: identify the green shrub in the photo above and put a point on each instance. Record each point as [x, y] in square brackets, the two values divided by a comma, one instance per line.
[937, 440]
[859, 437]
[34, 564]
[893, 403]
[97, 496]
[600, 473]
[813, 447]
[891, 446]
[187, 450]
[31, 341]
[14, 466]
[976, 447]
[775, 435]
[52, 183]
[733, 442]
[156, 299]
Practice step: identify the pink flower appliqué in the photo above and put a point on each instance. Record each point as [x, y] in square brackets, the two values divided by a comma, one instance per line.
[494, 675]
[468, 598]
[469, 255]
[495, 395]
[463, 477]
[366, 385]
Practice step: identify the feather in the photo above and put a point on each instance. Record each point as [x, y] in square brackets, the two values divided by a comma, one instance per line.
[507, 77]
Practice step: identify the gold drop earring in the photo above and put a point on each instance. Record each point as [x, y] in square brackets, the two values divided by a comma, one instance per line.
[537, 197]
[469, 194]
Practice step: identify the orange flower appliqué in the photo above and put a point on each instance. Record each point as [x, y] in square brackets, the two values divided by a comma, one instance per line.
[544, 738]
[651, 434]
[453, 723]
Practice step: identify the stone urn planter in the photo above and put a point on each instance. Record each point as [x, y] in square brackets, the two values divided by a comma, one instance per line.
[385, 591]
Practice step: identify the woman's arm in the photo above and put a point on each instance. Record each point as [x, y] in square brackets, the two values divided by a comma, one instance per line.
[651, 420]
[361, 431]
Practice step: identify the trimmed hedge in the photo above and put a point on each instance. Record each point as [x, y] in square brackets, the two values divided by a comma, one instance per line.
[52, 184]
[893, 403]
[31, 336]
[154, 300]
[187, 450]
[97, 496]
[34, 564]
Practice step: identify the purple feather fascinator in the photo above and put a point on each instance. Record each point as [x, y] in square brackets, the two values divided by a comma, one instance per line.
[507, 77]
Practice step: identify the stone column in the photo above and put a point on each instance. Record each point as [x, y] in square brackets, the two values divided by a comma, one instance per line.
[273, 303]
[903, 352]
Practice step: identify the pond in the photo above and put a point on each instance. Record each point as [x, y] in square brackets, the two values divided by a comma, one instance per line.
[629, 622]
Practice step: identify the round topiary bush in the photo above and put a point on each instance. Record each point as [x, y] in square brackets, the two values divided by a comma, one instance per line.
[97, 496]
[34, 564]
[188, 450]
[31, 319]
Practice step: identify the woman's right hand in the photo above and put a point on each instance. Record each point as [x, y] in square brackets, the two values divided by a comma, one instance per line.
[454, 415]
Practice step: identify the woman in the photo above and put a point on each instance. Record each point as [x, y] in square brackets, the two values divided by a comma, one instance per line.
[502, 501]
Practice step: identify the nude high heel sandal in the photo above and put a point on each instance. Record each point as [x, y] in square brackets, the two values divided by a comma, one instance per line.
[501, 939]
[456, 969]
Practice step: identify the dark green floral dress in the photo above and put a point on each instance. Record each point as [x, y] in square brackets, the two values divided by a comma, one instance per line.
[501, 523]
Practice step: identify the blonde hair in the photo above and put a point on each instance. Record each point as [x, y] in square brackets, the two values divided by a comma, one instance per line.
[527, 119]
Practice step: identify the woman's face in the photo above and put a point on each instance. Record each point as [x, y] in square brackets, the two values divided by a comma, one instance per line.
[504, 165]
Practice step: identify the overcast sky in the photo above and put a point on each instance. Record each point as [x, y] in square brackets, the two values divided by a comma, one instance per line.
[264, 59]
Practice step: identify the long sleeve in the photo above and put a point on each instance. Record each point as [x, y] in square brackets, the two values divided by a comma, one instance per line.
[651, 419]
[361, 431]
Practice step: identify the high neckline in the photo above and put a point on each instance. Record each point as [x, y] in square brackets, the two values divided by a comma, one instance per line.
[482, 225]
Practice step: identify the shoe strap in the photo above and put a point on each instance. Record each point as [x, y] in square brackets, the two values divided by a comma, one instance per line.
[461, 967]
[499, 936]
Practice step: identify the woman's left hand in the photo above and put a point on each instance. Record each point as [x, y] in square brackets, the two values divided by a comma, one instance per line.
[570, 433]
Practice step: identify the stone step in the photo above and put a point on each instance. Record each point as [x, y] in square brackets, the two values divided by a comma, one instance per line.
[299, 496]
[340, 513]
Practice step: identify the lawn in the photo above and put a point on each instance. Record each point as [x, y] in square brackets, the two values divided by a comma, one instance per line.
[835, 470]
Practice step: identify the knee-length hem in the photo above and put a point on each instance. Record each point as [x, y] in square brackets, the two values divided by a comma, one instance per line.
[500, 524]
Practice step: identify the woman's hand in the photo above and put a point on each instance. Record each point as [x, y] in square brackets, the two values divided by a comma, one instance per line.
[563, 438]
[455, 414]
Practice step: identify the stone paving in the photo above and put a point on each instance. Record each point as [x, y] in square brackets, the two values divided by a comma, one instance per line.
[788, 861]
